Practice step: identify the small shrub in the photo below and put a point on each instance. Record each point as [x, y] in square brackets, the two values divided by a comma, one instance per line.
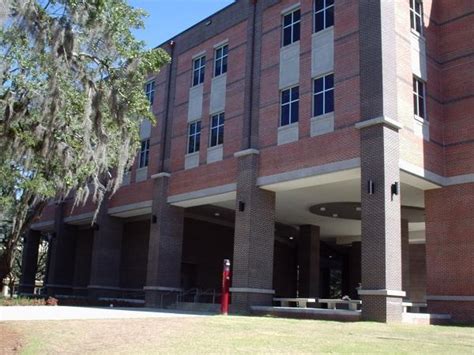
[51, 301]
[22, 301]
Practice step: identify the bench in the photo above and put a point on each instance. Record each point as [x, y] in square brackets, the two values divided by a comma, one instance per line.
[415, 306]
[332, 303]
[300, 302]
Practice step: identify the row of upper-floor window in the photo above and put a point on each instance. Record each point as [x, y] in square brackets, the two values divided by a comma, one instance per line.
[323, 87]
[216, 133]
[323, 103]
[322, 100]
[323, 18]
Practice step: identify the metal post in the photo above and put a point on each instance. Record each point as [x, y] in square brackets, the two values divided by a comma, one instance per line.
[225, 287]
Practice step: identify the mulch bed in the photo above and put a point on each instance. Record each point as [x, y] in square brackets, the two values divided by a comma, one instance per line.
[10, 341]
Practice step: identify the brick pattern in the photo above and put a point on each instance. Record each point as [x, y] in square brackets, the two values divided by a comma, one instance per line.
[381, 230]
[106, 252]
[449, 248]
[165, 244]
[308, 261]
[380, 151]
[254, 237]
[29, 263]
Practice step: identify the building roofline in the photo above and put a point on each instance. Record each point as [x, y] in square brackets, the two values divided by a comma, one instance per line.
[165, 43]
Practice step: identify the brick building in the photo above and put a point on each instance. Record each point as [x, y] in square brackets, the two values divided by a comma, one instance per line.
[317, 144]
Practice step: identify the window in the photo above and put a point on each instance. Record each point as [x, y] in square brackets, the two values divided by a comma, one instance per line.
[217, 130]
[291, 27]
[150, 91]
[220, 63]
[144, 153]
[194, 137]
[289, 106]
[416, 16]
[419, 98]
[323, 95]
[323, 14]
[199, 67]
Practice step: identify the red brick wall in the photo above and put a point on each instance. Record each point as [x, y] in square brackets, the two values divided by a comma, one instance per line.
[455, 33]
[310, 151]
[450, 247]
[223, 172]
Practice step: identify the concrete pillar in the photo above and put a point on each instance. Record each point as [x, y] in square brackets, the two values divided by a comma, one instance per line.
[405, 258]
[254, 239]
[165, 247]
[106, 251]
[62, 256]
[308, 261]
[29, 263]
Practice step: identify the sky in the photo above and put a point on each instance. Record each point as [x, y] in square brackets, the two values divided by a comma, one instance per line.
[170, 17]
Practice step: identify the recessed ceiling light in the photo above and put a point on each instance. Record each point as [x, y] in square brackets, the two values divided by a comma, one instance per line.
[322, 209]
[291, 238]
[335, 215]
[217, 214]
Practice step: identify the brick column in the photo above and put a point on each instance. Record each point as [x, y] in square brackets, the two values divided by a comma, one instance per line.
[405, 258]
[82, 267]
[62, 255]
[381, 230]
[29, 263]
[106, 252]
[308, 261]
[165, 247]
[252, 269]
[380, 150]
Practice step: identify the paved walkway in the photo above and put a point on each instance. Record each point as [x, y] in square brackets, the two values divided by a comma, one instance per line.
[18, 313]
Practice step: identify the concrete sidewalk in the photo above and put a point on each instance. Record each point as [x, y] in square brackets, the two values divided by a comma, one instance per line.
[23, 313]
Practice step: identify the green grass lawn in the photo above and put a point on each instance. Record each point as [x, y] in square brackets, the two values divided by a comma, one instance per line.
[238, 334]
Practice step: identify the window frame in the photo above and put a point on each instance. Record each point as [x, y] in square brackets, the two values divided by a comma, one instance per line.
[416, 98]
[201, 70]
[413, 16]
[144, 157]
[324, 10]
[219, 128]
[196, 134]
[289, 103]
[291, 25]
[324, 92]
[224, 58]
[150, 93]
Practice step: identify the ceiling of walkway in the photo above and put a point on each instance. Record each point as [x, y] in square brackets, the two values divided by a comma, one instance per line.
[293, 208]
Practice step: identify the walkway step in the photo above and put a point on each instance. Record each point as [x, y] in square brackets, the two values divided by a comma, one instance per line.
[426, 318]
[197, 307]
[341, 315]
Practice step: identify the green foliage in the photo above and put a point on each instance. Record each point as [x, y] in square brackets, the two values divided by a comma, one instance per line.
[71, 101]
